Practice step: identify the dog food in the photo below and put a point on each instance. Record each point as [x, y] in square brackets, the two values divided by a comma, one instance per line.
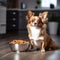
[19, 42]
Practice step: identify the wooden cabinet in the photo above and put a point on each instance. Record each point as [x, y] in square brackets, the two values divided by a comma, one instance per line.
[12, 21]
[12, 3]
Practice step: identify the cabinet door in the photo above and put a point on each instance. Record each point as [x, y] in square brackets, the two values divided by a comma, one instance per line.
[2, 28]
[22, 20]
[2, 14]
[2, 20]
[12, 21]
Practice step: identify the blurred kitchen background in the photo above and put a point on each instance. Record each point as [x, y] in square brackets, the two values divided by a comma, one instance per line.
[13, 13]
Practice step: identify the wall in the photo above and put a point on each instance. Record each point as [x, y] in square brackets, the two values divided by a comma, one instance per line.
[58, 3]
[4, 2]
[32, 3]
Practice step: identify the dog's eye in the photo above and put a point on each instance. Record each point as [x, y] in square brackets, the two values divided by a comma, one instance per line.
[32, 20]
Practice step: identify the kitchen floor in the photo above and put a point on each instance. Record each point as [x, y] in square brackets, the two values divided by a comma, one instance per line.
[34, 55]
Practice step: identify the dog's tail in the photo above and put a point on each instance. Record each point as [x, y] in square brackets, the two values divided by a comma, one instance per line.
[53, 45]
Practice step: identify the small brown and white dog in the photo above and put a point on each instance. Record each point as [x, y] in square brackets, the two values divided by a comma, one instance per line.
[36, 27]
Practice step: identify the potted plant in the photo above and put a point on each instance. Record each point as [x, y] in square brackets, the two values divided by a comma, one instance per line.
[53, 24]
[38, 3]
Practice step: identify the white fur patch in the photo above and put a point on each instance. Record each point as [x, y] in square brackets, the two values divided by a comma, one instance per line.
[41, 38]
[35, 33]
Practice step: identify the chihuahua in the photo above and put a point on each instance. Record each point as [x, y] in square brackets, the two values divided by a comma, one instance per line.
[36, 27]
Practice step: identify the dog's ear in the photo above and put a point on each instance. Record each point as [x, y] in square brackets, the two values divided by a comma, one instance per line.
[43, 16]
[29, 14]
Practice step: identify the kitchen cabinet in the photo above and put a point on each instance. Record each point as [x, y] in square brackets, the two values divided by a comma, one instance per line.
[2, 20]
[16, 19]
[12, 21]
[22, 20]
[12, 3]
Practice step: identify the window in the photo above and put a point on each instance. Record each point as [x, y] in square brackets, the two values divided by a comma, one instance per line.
[46, 3]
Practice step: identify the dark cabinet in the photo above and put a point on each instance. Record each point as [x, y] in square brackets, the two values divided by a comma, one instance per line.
[12, 21]
[22, 20]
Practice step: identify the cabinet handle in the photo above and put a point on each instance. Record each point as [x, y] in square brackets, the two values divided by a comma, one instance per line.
[14, 13]
[2, 24]
[14, 25]
[14, 19]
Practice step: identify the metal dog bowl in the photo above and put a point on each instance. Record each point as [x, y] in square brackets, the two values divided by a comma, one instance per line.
[18, 47]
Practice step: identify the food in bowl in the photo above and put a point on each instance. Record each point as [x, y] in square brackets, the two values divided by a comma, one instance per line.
[19, 42]
[19, 45]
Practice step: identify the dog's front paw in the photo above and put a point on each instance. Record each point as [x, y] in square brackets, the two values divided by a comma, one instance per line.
[43, 51]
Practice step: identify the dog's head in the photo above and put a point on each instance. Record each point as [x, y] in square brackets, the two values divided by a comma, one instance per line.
[37, 21]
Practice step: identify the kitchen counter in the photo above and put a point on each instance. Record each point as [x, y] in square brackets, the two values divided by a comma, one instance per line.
[33, 9]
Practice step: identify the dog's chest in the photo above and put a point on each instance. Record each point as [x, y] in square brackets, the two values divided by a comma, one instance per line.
[35, 32]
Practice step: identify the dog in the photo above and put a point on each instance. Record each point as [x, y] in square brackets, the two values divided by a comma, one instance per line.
[36, 26]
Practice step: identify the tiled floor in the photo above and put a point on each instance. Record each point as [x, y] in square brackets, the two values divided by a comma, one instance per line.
[35, 55]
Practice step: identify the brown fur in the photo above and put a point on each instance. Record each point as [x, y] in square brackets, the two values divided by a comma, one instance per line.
[49, 43]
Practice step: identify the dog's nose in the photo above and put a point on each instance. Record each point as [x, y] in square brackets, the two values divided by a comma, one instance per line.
[35, 23]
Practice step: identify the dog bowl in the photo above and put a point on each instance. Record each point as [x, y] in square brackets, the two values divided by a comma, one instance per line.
[17, 45]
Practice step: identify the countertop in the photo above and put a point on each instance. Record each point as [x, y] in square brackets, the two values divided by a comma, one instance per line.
[33, 9]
